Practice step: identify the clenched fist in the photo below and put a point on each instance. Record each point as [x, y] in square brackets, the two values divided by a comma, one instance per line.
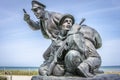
[26, 17]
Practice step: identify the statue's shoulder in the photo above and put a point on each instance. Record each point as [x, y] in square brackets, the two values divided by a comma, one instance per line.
[55, 14]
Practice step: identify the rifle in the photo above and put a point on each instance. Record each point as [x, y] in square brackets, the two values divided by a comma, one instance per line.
[83, 19]
[57, 54]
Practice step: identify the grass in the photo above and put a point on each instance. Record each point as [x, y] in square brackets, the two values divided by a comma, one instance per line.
[112, 72]
[3, 78]
[34, 72]
[18, 72]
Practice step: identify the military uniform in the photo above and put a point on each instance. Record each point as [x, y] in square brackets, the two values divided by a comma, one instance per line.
[48, 24]
[72, 55]
[80, 57]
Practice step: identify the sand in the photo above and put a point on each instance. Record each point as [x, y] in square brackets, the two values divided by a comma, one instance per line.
[22, 77]
[19, 77]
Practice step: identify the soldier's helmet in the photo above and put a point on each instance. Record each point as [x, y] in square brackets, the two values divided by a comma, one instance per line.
[64, 17]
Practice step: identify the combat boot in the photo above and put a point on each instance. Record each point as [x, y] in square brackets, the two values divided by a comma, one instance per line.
[83, 70]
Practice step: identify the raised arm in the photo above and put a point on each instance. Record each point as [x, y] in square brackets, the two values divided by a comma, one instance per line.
[33, 25]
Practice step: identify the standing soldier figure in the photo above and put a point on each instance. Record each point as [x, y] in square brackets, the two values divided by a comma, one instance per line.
[47, 23]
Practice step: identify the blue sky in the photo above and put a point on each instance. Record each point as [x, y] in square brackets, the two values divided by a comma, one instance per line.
[21, 46]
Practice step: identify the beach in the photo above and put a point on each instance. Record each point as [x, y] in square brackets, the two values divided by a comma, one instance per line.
[19, 77]
[26, 77]
[26, 73]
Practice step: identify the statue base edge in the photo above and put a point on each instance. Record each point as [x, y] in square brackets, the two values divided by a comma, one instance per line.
[97, 77]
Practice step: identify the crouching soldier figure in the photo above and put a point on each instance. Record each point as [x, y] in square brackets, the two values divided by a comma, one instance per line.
[70, 54]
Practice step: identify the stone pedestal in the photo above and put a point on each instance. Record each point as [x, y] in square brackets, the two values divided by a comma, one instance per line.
[97, 77]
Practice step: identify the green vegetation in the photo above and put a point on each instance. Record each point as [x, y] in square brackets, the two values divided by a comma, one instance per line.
[34, 72]
[112, 72]
[3, 78]
[18, 72]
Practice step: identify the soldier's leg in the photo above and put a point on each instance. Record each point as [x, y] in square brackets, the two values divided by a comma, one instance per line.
[93, 61]
[72, 60]
[88, 66]
[94, 58]
[43, 70]
[84, 70]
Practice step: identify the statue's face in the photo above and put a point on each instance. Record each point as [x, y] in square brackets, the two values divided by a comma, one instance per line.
[38, 10]
[67, 24]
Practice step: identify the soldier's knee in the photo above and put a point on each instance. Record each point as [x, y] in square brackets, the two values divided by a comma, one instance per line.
[73, 57]
[72, 54]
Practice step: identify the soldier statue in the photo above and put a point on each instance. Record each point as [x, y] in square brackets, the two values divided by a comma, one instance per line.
[73, 50]
[71, 53]
[47, 22]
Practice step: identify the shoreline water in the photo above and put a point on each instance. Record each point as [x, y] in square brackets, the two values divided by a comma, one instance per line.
[110, 68]
[18, 68]
[104, 68]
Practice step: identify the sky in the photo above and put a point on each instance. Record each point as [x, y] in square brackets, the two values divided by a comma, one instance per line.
[21, 46]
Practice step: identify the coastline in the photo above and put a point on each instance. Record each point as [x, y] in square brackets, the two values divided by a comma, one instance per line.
[26, 73]
[26, 77]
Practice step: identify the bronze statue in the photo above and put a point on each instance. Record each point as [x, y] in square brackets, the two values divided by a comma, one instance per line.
[47, 22]
[72, 53]
[73, 47]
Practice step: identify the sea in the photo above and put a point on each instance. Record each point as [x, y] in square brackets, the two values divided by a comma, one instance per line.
[110, 68]
[104, 68]
[18, 68]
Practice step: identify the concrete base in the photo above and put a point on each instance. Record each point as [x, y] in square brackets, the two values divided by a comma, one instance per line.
[97, 77]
